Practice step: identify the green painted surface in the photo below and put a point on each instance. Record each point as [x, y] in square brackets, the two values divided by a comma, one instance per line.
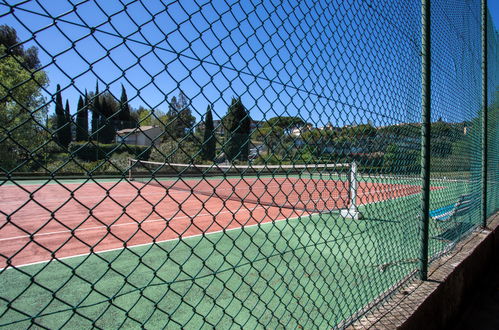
[288, 274]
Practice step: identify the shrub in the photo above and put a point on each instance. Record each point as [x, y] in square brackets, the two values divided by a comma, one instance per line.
[77, 167]
[177, 152]
[119, 162]
[268, 160]
[96, 151]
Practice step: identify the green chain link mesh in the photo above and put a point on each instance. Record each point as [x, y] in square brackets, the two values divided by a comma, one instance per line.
[194, 164]
[493, 119]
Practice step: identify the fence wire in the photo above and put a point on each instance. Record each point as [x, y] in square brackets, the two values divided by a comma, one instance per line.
[493, 118]
[217, 164]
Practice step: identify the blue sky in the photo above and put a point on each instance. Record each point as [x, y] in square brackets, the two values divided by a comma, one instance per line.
[494, 11]
[343, 61]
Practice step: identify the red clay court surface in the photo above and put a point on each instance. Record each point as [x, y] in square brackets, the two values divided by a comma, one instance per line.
[39, 223]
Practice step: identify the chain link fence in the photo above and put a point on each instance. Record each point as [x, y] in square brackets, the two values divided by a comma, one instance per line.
[215, 164]
[493, 118]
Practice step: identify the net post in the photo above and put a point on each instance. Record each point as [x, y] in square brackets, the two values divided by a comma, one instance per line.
[352, 212]
[130, 164]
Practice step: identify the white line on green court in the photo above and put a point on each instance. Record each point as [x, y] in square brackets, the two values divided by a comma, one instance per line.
[192, 236]
[163, 241]
[120, 225]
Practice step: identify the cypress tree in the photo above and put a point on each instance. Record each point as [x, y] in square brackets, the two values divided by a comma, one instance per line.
[68, 134]
[82, 120]
[237, 125]
[61, 119]
[107, 132]
[125, 115]
[209, 141]
[96, 113]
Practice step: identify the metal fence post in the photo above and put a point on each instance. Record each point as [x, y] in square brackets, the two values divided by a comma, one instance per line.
[484, 113]
[425, 133]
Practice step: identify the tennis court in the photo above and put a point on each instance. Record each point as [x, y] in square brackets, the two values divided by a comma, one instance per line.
[62, 220]
[269, 257]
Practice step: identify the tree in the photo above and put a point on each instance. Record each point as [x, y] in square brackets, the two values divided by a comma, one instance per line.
[27, 58]
[403, 130]
[237, 124]
[82, 121]
[68, 127]
[125, 113]
[360, 131]
[271, 136]
[317, 141]
[59, 112]
[179, 117]
[62, 120]
[443, 135]
[22, 110]
[95, 113]
[209, 140]
[146, 117]
[107, 122]
[173, 106]
[284, 122]
[275, 133]
[104, 116]
[172, 151]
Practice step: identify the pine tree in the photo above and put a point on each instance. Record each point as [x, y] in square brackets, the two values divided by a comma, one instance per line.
[179, 117]
[82, 120]
[68, 134]
[209, 141]
[237, 125]
[173, 107]
[183, 101]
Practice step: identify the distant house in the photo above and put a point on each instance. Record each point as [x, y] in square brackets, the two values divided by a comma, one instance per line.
[142, 136]
[330, 127]
[298, 131]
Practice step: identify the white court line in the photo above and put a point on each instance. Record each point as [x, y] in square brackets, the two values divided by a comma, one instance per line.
[120, 225]
[186, 237]
[360, 195]
[164, 241]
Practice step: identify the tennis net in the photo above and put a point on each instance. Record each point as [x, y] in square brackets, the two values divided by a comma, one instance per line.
[312, 188]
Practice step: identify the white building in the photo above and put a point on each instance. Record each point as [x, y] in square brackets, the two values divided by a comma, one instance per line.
[142, 136]
[298, 131]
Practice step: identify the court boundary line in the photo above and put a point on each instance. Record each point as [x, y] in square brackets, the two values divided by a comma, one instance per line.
[164, 241]
[197, 235]
[119, 225]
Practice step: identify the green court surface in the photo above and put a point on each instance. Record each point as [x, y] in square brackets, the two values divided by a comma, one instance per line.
[279, 274]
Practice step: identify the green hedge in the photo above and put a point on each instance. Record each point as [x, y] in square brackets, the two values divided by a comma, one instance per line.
[96, 151]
